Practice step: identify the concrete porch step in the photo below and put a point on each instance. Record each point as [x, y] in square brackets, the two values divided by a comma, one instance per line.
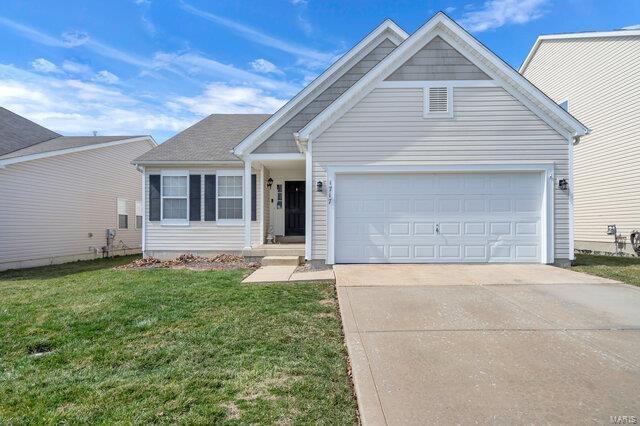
[280, 260]
[275, 250]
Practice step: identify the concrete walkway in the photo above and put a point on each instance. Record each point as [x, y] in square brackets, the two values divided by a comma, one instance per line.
[501, 344]
[275, 273]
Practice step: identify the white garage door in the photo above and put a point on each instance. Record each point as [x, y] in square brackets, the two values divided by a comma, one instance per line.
[412, 218]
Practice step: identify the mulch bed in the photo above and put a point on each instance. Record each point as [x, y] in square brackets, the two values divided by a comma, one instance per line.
[191, 261]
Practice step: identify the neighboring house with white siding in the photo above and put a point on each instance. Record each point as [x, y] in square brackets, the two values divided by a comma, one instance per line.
[596, 76]
[410, 148]
[59, 194]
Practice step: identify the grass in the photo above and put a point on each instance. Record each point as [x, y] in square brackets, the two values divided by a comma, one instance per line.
[82, 343]
[625, 269]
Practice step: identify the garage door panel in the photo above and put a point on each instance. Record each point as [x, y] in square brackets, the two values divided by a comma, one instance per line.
[424, 252]
[527, 228]
[399, 229]
[424, 228]
[448, 205]
[424, 205]
[450, 228]
[442, 218]
[475, 252]
[475, 229]
[475, 205]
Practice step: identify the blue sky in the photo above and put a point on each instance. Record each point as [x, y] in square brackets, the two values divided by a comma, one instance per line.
[157, 66]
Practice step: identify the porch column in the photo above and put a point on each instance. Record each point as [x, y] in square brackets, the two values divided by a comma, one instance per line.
[247, 204]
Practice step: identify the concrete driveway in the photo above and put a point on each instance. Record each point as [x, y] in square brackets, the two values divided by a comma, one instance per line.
[490, 344]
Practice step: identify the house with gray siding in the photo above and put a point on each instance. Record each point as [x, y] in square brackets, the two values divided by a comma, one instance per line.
[420, 148]
[603, 93]
[60, 194]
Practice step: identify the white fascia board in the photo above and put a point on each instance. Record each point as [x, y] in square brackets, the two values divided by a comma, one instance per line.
[441, 25]
[30, 157]
[305, 96]
[185, 162]
[573, 36]
[283, 156]
[532, 52]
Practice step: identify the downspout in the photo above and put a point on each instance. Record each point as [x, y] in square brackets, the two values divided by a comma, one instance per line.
[143, 237]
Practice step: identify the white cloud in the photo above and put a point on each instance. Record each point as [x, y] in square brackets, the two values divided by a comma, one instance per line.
[31, 33]
[496, 13]
[42, 65]
[632, 27]
[197, 64]
[75, 67]
[299, 2]
[223, 98]
[262, 65]
[256, 36]
[75, 107]
[450, 9]
[74, 38]
[105, 76]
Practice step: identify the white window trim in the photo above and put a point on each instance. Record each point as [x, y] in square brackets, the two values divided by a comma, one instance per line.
[173, 222]
[425, 105]
[229, 222]
[118, 200]
[135, 217]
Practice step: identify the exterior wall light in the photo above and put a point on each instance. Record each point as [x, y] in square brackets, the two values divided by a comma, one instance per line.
[563, 184]
[319, 186]
[269, 183]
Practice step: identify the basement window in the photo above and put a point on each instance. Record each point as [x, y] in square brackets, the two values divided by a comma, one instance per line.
[438, 102]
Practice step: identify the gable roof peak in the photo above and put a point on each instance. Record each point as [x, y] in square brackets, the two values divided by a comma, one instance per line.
[452, 32]
[386, 28]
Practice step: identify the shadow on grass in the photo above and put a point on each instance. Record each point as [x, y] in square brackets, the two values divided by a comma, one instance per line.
[64, 269]
[599, 260]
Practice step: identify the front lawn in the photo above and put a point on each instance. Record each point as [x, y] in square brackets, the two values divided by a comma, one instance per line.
[625, 269]
[82, 343]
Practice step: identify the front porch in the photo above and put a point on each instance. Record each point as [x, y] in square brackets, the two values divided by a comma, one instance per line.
[281, 193]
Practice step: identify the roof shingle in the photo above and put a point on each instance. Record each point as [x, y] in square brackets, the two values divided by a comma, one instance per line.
[210, 139]
[64, 142]
[17, 132]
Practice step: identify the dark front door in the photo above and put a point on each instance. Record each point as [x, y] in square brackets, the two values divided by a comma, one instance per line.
[294, 208]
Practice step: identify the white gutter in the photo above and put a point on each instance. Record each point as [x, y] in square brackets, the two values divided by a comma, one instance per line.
[30, 157]
[183, 162]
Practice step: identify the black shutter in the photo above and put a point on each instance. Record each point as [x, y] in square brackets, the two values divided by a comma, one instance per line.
[209, 197]
[194, 197]
[254, 203]
[154, 198]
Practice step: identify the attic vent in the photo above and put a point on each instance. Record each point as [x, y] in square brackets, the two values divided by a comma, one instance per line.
[437, 99]
[438, 102]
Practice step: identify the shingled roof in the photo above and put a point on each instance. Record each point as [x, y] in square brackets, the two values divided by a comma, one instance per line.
[64, 142]
[210, 139]
[17, 132]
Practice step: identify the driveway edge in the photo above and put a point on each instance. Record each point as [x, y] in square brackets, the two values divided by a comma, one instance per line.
[366, 393]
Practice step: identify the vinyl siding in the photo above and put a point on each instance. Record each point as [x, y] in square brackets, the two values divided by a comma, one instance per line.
[199, 236]
[489, 125]
[437, 60]
[51, 205]
[282, 140]
[600, 77]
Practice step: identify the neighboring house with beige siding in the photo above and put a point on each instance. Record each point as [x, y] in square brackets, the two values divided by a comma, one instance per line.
[60, 194]
[596, 76]
[410, 148]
